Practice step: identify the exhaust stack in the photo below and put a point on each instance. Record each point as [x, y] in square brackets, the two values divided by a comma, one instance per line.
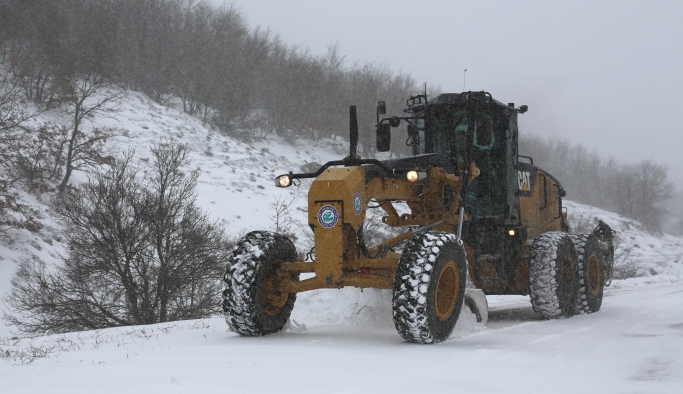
[353, 132]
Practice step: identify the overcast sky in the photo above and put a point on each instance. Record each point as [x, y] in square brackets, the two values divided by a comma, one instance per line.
[606, 74]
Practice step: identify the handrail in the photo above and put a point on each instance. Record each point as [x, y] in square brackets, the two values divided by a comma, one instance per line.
[348, 162]
[526, 157]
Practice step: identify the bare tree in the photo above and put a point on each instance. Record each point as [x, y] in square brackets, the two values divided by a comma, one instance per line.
[221, 70]
[139, 252]
[640, 192]
[89, 96]
[13, 114]
[28, 153]
[13, 111]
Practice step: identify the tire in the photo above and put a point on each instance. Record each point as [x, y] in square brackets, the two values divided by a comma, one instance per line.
[429, 287]
[591, 273]
[553, 276]
[252, 303]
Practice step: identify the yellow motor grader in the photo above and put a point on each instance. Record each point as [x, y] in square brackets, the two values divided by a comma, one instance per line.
[476, 211]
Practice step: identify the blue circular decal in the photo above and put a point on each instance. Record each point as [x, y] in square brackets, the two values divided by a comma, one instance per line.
[357, 204]
[328, 216]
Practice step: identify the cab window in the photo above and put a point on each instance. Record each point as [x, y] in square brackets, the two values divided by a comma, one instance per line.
[483, 132]
[450, 134]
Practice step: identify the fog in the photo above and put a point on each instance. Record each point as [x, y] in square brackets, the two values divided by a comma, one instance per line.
[603, 74]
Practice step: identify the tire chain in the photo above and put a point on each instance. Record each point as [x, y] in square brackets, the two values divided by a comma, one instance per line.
[412, 283]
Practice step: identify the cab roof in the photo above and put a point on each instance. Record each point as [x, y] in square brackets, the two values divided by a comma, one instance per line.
[455, 98]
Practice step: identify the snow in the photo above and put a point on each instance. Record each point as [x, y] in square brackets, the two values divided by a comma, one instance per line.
[344, 340]
[635, 344]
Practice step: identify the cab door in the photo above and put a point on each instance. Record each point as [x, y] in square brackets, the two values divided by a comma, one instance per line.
[487, 194]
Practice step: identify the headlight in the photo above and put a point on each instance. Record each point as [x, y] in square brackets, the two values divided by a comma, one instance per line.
[413, 176]
[283, 181]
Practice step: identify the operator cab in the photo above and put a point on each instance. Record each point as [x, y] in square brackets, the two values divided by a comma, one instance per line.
[473, 127]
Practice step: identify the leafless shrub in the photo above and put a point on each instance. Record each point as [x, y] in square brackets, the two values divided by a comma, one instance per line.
[139, 252]
[625, 266]
[580, 222]
[375, 231]
[15, 215]
[232, 239]
[167, 329]
[284, 220]
[27, 355]
[38, 159]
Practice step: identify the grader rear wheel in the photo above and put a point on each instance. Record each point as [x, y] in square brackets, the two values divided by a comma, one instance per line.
[429, 287]
[594, 274]
[591, 275]
[553, 276]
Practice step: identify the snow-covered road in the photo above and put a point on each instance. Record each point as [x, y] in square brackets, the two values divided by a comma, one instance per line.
[634, 345]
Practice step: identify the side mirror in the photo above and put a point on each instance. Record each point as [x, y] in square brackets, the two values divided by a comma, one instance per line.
[381, 107]
[383, 137]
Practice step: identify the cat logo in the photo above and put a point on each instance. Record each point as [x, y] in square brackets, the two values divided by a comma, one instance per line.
[524, 180]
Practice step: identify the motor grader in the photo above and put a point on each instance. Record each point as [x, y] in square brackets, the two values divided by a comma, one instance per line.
[478, 211]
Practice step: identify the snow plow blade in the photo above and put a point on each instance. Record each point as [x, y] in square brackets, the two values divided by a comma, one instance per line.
[476, 301]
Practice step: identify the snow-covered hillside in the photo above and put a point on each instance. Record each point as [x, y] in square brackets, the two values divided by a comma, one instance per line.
[236, 185]
[344, 340]
[637, 249]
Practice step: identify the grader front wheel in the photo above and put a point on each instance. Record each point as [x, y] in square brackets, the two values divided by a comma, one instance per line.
[447, 288]
[273, 299]
[253, 300]
[429, 287]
